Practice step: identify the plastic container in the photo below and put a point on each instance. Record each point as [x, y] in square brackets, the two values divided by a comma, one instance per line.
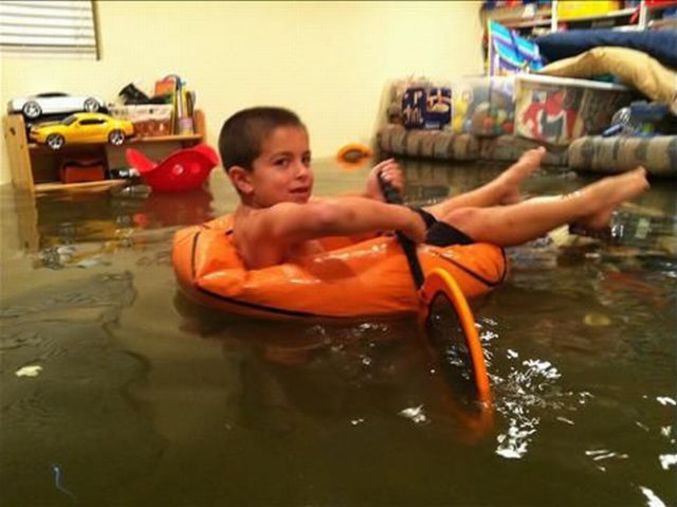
[483, 106]
[558, 110]
[152, 120]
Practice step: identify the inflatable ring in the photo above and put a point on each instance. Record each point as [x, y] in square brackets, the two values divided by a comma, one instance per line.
[353, 155]
[349, 280]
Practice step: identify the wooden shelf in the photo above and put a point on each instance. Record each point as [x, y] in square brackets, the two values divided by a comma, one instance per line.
[35, 167]
[521, 23]
[521, 17]
[90, 185]
[164, 139]
[131, 140]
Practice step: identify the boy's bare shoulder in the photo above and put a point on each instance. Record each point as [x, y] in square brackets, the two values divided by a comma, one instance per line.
[271, 221]
[268, 236]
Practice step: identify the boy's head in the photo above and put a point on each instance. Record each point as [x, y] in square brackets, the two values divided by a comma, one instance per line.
[266, 155]
[242, 135]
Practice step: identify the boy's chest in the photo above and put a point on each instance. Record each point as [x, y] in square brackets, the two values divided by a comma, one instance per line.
[310, 247]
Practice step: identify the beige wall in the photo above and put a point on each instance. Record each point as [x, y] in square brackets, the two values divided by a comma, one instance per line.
[329, 61]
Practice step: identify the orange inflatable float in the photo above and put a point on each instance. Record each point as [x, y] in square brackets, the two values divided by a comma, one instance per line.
[350, 280]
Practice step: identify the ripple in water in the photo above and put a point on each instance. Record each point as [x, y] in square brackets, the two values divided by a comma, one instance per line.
[532, 384]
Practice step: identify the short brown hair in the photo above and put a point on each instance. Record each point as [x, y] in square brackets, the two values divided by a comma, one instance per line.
[243, 133]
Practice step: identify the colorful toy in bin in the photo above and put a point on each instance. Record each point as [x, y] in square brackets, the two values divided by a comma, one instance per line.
[483, 106]
[437, 108]
[428, 108]
[640, 119]
[413, 106]
[183, 170]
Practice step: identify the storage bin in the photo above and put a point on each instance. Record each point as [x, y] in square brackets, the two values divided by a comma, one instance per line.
[152, 120]
[559, 110]
[483, 106]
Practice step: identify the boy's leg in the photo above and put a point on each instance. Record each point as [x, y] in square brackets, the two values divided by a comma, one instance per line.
[518, 223]
[504, 189]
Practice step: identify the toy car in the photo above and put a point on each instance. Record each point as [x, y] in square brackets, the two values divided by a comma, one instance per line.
[53, 103]
[82, 128]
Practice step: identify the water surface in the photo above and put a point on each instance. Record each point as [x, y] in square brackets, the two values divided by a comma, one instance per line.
[140, 397]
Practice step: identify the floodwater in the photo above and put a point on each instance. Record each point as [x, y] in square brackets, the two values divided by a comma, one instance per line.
[117, 391]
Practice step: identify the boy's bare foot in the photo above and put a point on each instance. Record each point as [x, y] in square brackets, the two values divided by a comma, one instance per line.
[609, 193]
[513, 176]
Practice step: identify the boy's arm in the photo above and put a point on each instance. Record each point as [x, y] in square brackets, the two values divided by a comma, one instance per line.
[392, 173]
[292, 223]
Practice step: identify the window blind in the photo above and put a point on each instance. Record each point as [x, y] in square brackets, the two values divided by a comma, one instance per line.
[63, 28]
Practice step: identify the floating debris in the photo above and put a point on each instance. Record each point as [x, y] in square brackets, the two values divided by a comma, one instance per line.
[666, 400]
[596, 320]
[642, 425]
[416, 414]
[565, 420]
[91, 262]
[653, 500]
[667, 460]
[604, 454]
[29, 371]
[58, 476]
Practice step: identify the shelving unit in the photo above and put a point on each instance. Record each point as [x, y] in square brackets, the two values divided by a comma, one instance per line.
[35, 167]
[543, 19]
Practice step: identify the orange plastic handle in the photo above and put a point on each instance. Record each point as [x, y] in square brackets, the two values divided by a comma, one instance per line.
[438, 281]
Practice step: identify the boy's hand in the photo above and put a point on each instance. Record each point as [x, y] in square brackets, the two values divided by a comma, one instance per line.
[392, 174]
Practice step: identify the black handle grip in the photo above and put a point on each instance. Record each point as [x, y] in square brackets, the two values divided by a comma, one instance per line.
[393, 196]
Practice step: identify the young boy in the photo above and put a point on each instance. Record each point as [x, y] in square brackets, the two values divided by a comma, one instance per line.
[266, 153]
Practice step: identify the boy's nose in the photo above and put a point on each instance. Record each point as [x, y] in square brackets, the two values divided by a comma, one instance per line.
[302, 170]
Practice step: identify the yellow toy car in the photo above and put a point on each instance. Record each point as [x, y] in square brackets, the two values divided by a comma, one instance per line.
[82, 128]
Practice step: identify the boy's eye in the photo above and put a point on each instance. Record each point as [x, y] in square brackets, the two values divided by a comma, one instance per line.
[281, 162]
[306, 160]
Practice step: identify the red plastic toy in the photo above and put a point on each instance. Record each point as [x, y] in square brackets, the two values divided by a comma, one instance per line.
[183, 170]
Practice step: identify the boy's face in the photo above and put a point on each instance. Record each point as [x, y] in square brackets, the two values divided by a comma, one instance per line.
[281, 173]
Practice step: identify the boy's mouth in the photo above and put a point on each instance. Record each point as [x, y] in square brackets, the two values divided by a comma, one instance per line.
[300, 191]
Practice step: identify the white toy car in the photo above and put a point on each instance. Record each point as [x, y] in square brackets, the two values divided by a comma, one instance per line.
[53, 103]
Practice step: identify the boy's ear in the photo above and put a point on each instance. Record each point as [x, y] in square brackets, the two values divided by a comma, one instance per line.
[241, 179]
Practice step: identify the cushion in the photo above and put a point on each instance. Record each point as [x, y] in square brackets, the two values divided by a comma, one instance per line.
[658, 43]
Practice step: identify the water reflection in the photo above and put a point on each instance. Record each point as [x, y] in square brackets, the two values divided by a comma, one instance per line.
[76, 217]
[355, 373]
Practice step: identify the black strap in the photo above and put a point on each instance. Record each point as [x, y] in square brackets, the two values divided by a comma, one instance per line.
[393, 196]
